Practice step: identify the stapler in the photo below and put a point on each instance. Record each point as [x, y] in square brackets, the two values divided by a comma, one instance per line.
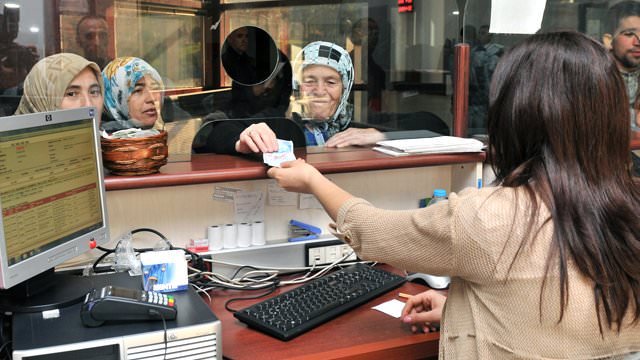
[299, 231]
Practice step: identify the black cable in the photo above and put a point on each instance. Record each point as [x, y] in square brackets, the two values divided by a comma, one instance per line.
[274, 286]
[5, 348]
[164, 325]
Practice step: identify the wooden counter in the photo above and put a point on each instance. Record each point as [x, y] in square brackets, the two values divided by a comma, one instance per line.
[210, 168]
[362, 333]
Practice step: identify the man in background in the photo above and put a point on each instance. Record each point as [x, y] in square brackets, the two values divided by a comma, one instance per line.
[92, 34]
[623, 40]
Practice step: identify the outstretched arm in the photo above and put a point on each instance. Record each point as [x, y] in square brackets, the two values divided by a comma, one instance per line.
[298, 176]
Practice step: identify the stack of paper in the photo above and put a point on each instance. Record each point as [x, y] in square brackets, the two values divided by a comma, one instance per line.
[433, 145]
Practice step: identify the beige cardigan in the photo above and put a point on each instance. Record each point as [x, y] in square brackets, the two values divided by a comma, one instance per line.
[488, 316]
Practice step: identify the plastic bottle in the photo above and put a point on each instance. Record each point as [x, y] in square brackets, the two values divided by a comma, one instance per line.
[438, 195]
[435, 282]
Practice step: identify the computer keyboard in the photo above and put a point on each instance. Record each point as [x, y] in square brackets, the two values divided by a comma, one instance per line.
[294, 312]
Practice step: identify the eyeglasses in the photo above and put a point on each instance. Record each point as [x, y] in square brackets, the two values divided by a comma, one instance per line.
[629, 34]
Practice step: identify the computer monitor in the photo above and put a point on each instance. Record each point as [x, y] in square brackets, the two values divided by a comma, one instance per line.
[52, 204]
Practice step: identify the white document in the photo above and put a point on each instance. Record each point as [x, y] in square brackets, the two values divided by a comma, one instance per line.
[249, 206]
[222, 193]
[392, 308]
[308, 201]
[516, 16]
[277, 196]
[432, 145]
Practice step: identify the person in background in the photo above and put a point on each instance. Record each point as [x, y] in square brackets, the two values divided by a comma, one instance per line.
[62, 81]
[623, 41]
[484, 59]
[92, 34]
[133, 95]
[551, 251]
[365, 34]
[236, 61]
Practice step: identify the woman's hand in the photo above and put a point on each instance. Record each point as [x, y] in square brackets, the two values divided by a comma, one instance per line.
[424, 311]
[257, 138]
[355, 136]
[295, 176]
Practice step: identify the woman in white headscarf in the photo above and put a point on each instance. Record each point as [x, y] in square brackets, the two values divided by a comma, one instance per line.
[323, 77]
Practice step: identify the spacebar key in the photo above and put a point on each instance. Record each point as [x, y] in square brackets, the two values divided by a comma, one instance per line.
[323, 310]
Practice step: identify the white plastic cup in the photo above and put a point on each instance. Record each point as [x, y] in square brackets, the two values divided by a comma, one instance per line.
[230, 236]
[244, 235]
[257, 233]
[214, 234]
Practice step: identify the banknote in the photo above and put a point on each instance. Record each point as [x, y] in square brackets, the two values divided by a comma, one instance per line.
[284, 154]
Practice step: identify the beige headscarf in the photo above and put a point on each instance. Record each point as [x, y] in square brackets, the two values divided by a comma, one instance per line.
[47, 81]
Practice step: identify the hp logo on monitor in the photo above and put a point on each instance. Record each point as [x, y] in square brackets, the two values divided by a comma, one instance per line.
[48, 117]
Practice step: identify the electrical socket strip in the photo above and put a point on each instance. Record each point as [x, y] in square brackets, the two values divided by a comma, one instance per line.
[327, 252]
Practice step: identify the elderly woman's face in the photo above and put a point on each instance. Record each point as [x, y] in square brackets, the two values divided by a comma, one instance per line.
[321, 90]
[144, 103]
[83, 90]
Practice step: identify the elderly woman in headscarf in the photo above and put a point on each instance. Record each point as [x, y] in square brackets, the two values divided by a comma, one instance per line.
[62, 81]
[323, 79]
[133, 95]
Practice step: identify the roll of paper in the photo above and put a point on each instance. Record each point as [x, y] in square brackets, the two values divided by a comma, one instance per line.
[214, 234]
[244, 235]
[230, 236]
[257, 233]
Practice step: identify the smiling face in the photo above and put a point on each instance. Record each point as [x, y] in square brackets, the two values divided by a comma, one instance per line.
[144, 103]
[321, 90]
[625, 44]
[83, 90]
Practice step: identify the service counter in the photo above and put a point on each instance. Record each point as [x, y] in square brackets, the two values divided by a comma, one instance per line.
[179, 201]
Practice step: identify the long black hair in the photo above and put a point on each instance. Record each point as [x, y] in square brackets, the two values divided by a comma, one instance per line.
[559, 127]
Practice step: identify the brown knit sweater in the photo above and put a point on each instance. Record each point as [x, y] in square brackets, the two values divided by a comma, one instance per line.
[491, 312]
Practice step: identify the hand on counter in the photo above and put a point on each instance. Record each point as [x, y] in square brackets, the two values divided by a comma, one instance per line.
[355, 136]
[424, 311]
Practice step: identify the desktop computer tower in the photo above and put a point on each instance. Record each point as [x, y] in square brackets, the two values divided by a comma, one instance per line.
[195, 334]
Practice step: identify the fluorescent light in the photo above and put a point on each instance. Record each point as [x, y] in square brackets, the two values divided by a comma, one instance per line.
[34, 29]
[12, 6]
[455, 12]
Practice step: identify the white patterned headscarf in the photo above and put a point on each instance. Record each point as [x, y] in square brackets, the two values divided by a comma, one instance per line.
[337, 58]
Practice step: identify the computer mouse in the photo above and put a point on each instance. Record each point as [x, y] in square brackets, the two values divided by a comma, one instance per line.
[432, 281]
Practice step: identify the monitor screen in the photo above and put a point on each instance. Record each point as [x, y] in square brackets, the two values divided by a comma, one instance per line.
[51, 192]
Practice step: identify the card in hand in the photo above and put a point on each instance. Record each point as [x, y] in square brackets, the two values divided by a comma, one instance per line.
[284, 153]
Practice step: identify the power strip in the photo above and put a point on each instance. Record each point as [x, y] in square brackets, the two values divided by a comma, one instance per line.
[327, 252]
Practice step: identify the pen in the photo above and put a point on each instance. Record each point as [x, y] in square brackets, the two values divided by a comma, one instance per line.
[403, 295]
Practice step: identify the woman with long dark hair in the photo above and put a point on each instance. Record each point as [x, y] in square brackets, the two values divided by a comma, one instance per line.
[546, 263]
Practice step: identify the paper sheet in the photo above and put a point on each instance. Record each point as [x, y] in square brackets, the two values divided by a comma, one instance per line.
[392, 308]
[308, 201]
[249, 206]
[516, 16]
[277, 196]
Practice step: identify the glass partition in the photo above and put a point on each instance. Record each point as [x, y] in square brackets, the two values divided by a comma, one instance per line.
[402, 55]
[615, 23]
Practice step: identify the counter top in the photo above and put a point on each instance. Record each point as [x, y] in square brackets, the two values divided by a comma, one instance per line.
[211, 168]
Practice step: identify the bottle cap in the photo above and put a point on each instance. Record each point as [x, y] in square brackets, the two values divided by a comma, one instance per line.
[440, 192]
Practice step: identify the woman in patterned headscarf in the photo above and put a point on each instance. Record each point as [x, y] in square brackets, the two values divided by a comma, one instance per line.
[323, 81]
[62, 81]
[133, 95]
[323, 77]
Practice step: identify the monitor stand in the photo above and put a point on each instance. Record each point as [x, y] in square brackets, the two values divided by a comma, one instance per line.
[47, 291]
